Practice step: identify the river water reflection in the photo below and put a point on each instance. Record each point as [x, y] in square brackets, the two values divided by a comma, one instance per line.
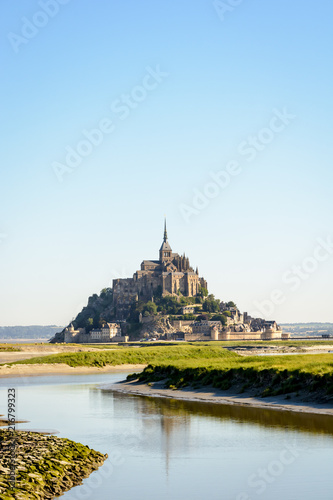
[177, 450]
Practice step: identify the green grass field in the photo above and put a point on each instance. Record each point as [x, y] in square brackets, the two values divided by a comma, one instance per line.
[200, 364]
[133, 355]
[198, 353]
[265, 375]
[9, 348]
[316, 364]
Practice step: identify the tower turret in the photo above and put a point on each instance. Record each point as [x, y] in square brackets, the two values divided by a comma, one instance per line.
[165, 231]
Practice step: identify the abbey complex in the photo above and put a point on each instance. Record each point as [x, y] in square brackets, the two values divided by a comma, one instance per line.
[166, 299]
[170, 275]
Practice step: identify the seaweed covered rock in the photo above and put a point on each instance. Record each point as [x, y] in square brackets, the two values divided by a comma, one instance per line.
[44, 466]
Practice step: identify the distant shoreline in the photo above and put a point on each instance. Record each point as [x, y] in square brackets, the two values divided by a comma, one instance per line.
[23, 341]
[35, 370]
[212, 395]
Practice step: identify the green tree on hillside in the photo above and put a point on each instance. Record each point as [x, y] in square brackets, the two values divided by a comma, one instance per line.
[150, 308]
[220, 317]
[89, 325]
[203, 292]
[168, 305]
[202, 317]
[211, 304]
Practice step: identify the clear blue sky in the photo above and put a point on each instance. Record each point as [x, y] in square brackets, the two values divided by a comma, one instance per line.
[181, 91]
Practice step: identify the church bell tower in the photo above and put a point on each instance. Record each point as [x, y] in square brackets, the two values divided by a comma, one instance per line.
[165, 250]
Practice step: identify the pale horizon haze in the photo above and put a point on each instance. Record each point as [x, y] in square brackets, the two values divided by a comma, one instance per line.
[217, 115]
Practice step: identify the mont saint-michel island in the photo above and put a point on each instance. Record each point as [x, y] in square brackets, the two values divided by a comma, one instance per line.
[166, 299]
[206, 358]
[166, 250]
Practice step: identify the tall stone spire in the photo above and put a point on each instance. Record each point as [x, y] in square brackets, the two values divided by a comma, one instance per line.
[165, 250]
[165, 231]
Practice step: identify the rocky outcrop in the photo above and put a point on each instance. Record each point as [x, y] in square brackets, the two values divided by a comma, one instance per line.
[58, 338]
[45, 466]
[156, 326]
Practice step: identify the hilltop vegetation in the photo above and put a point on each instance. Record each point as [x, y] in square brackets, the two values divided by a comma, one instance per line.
[100, 310]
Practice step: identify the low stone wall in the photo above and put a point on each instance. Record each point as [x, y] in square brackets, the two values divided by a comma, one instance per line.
[120, 339]
[240, 336]
[45, 466]
[276, 335]
[196, 336]
[271, 335]
[85, 338]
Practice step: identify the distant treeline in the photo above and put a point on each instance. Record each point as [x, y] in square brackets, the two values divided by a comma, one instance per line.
[307, 325]
[308, 329]
[29, 332]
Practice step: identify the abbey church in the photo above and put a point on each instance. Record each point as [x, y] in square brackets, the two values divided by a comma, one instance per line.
[171, 274]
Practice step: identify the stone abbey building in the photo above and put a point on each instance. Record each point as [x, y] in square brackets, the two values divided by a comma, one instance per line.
[170, 274]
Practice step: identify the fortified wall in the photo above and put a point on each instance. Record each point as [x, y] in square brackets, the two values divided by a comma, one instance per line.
[110, 332]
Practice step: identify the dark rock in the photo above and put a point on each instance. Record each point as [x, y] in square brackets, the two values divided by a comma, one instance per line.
[45, 466]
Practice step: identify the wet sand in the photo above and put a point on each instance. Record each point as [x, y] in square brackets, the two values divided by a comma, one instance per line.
[211, 395]
[62, 369]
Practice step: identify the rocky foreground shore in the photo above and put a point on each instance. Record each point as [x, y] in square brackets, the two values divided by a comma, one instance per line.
[44, 466]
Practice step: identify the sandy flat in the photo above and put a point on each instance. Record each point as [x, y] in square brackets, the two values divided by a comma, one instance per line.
[62, 369]
[211, 395]
[33, 350]
[11, 357]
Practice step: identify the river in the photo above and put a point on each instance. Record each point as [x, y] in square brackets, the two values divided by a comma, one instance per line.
[176, 450]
